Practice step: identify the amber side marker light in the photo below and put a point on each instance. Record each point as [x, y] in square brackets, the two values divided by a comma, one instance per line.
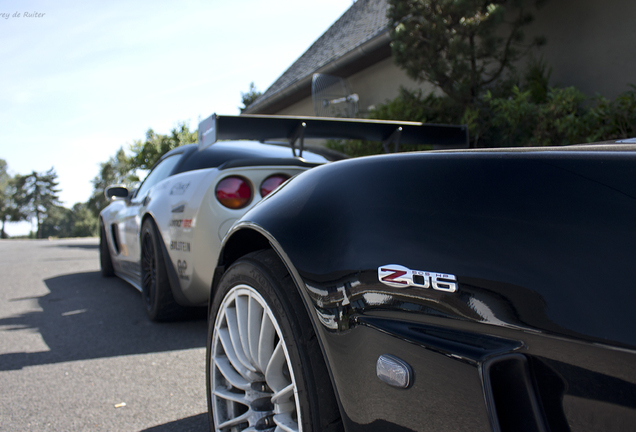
[271, 183]
[234, 192]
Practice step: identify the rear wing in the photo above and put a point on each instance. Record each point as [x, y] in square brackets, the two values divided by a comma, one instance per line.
[293, 129]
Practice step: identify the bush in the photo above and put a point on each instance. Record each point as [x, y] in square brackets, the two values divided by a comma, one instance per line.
[512, 114]
[517, 121]
[615, 119]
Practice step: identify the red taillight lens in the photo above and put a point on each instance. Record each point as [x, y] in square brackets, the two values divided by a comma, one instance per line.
[234, 192]
[271, 183]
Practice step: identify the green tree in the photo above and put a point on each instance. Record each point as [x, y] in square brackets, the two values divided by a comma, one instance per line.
[57, 222]
[85, 223]
[249, 97]
[147, 153]
[117, 170]
[123, 169]
[36, 194]
[5, 195]
[461, 46]
[10, 211]
[63, 222]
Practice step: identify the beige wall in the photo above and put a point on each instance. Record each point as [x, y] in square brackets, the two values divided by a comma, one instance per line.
[591, 45]
[303, 108]
[381, 83]
[374, 85]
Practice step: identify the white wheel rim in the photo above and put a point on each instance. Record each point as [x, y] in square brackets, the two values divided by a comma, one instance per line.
[251, 382]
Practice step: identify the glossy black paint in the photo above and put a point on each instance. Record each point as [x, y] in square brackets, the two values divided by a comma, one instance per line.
[543, 247]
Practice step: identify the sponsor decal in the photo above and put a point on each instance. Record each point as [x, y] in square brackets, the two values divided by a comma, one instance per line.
[179, 188]
[180, 246]
[398, 276]
[182, 266]
[181, 223]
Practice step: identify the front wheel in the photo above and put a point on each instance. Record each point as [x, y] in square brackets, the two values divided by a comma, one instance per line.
[264, 366]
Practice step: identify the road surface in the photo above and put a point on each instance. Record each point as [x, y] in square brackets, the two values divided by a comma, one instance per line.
[78, 353]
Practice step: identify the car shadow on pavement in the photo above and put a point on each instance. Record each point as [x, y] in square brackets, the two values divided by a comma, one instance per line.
[194, 423]
[86, 246]
[86, 316]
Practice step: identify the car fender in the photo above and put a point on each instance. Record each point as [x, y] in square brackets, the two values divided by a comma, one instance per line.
[453, 213]
[110, 217]
[539, 244]
[193, 223]
[174, 205]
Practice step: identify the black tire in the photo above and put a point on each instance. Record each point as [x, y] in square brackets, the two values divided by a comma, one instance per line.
[261, 280]
[156, 292]
[105, 260]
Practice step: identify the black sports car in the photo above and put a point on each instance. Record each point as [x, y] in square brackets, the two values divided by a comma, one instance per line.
[472, 290]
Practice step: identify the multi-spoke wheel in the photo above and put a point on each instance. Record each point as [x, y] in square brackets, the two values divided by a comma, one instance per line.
[251, 381]
[264, 366]
[155, 286]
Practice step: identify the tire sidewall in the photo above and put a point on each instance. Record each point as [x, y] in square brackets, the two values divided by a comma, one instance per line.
[162, 306]
[105, 260]
[151, 307]
[257, 276]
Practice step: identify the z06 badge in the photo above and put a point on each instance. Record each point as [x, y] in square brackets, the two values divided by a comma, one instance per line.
[398, 276]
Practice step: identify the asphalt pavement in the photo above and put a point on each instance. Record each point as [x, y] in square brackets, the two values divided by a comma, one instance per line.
[77, 351]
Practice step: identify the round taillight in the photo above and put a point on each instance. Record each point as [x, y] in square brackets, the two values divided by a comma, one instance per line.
[234, 192]
[271, 183]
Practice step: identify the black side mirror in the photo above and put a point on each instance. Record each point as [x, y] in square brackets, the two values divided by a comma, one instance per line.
[116, 192]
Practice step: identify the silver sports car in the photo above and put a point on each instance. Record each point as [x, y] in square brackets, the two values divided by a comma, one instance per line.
[165, 237]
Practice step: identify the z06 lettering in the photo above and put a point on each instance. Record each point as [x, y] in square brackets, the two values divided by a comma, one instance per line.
[398, 276]
[393, 276]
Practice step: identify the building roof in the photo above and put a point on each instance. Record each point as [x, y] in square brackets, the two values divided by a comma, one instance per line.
[364, 24]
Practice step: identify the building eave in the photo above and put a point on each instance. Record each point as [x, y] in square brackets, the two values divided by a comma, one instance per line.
[361, 57]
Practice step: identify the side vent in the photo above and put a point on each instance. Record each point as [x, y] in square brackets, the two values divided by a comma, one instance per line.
[511, 397]
[115, 231]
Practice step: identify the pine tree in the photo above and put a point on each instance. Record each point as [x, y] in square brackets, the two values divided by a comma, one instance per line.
[9, 210]
[248, 98]
[37, 194]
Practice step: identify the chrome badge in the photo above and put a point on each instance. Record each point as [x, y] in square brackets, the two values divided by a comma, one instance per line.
[398, 276]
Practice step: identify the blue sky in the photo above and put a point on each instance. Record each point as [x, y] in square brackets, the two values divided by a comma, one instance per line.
[88, 77]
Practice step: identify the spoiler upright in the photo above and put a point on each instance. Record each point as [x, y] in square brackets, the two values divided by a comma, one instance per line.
[268, 127]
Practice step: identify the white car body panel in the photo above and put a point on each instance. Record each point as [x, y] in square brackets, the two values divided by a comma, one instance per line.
[190, 221]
